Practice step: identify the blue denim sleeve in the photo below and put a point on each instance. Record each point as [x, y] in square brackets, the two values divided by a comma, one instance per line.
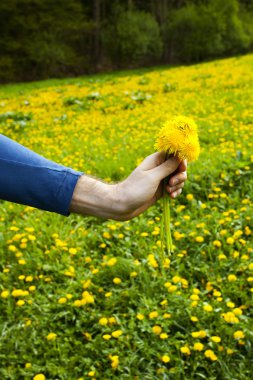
[30, 179]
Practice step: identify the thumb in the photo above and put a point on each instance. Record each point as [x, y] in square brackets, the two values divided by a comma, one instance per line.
[152, 161]
[166, 168]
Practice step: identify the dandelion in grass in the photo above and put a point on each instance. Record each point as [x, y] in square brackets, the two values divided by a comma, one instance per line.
[177, 137]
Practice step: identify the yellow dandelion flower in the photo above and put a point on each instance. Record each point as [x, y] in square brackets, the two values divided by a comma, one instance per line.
[40, 376]
[179, 137]
[165, 358]
[215, 339]
[5, 294]
[232, 277]
[117, 280]
[51, 336]
[239, 335]
[114, 361]
[156, 329]
[107, 337]
[210, 355]
[117, 333]
[103, 321]
[198, 347]
[207, 308]
[153, 314]
[20, 303]
[185, 350]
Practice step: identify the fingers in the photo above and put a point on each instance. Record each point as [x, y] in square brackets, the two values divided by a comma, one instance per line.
[177, 179]
[183, 166]
[175, 188]
[165, 169]
[152, 161]
[176, 193]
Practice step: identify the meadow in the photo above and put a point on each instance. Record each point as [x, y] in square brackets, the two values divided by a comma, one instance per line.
[83, 298]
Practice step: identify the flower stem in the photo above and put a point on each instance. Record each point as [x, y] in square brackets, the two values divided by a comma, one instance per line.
[166, 218]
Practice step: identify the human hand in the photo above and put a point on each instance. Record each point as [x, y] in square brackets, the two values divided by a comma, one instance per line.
[129, 198]
[144, 186]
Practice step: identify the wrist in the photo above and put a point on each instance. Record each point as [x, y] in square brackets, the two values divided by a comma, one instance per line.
[96, 198]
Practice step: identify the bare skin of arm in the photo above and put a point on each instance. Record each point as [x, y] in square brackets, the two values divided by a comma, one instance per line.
[129, 198]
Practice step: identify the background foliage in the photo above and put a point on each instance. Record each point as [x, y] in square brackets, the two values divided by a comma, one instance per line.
[41, 38]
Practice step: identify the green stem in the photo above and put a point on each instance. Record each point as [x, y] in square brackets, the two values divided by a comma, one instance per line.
[162, 240]
[166, 217]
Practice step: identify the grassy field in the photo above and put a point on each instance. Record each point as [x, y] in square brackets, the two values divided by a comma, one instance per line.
[82, 298]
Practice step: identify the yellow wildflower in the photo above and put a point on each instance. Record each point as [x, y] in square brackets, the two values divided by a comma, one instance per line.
[232, 277]
[4, 294]
[117, 280]
[208, 308]
[51, 336]
[157, 329]
[198, 347]
[107, 337]
[40, 376]
[20, 303]
[238, 335]
[114, 361]
[153, 314]
[215, 339]
[165, 358]
[179, 137]
[103, 321]
[210, 355]
[185, 350]
[117, 333]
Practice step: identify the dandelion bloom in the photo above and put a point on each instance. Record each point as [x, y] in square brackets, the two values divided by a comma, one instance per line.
[157, 330]
[210, 355]
[208, 308]
[117, 280]
[107, 337]
[198, 347]
[117, 333]
[103, 321]
[40, 376]
[114, 361]
[185, 350]
[232, 277]
[20, 303]
[51, 336]
[5, 294]
[215, 339]
[179, 137]
[153, 314]
[165, 358]
[239, 334]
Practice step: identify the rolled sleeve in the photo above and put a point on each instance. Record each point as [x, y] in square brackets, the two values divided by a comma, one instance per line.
[30, 179]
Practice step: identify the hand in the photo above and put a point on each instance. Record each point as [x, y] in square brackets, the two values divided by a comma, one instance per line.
[129, 198]
[144, 186]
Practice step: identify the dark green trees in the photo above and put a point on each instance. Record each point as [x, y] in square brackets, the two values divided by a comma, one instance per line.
[45, 38]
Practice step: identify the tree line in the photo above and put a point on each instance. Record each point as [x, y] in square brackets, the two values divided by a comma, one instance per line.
[44, 38]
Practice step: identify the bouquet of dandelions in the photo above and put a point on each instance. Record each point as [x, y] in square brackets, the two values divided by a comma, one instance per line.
[177, 137]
